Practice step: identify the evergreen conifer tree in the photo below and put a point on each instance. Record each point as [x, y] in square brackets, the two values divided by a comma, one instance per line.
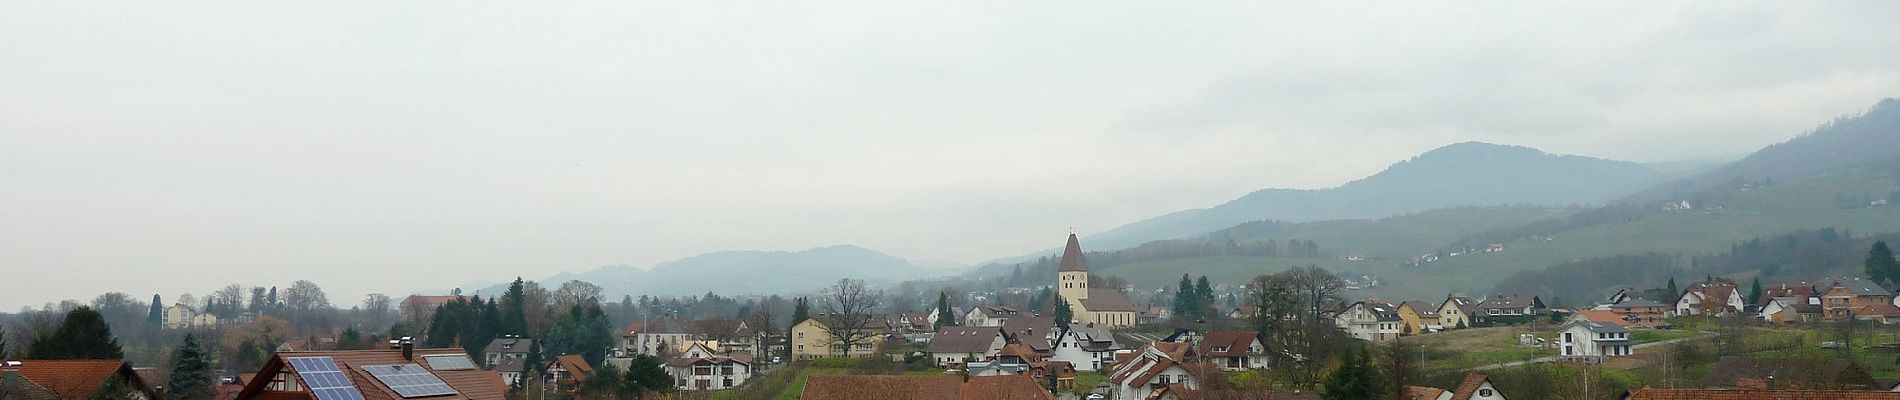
[1880, 265]
[944, 316]
[156, 316]
[514, 320]
[1184, 298]
[1354, 379]
[1203, 299]
[191, 372]
[1674, 292]
[1754, 291]
[1063, 313]
[84, 335]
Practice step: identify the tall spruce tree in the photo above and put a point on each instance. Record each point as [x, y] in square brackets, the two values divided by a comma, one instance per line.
[1354, 379]
[1184, 298]
[1880, 265]
[1674, 292]
[84, 335]
[191, 372]
[1203, 299]
[3, 342]
[801, 310]
[1063, 313]
[944, 316]
[514, 320]
[156, 316]
[1754, 291]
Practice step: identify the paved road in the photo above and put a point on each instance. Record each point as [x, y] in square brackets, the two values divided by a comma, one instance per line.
[1704, 335]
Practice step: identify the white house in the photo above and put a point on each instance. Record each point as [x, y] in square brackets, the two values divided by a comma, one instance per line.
[650, 338]
[1233, 350]
[989, 315]
[1710, 299]
[1476, 386]
[1088, 347]
[699, 367]
[955, 345]
[1371, 320]
[1591, 341]
[1157, 365]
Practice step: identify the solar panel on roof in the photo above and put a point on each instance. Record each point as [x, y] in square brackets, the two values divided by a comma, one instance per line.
[409, 380]
[324, 380]
[449, 362]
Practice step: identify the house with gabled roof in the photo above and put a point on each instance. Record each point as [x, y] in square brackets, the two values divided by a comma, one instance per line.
[1590, 341]
[1507, 306]
[990, 315]
[1455, 312]
[505, 348]
[1371, 319]
[73, 379]
[1476, 386]
[1088, 346]
[1710, 298]
[397, 374]
[954, 345]
[1233, 350]
[701, 367]
[656, 335]
[1017, 359]
[1418, 317]
[1139, 374]
[812, 338]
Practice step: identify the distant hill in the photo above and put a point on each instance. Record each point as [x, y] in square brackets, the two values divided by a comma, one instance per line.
[743, 272]
[1783, 189]
[1458, 175]
[1872, 138]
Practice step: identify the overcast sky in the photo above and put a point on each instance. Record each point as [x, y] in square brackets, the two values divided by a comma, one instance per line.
[377, 146]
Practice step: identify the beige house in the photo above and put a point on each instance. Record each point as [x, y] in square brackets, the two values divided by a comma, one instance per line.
[812, 338]
[1104, 307]
[184, 316]
[1451, 313]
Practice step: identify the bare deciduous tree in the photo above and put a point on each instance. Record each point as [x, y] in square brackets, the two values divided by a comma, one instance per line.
[574, 293]
[847, 315]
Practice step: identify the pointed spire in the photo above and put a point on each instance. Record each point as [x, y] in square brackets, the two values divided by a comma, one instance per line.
[1072, 257]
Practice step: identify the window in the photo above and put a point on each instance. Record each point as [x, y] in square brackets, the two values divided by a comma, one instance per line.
[1484, 392]
[1567, 338]
[1164, 379]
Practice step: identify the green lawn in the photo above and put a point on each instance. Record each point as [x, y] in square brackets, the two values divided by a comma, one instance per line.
[1461, 349]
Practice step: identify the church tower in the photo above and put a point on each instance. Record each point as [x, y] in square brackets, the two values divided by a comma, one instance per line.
[1072, 280]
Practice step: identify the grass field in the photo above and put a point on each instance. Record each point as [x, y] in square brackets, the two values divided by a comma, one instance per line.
[1462, 349]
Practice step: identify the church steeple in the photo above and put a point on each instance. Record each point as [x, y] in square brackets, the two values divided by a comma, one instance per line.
[1072, 257]
[1073, 274]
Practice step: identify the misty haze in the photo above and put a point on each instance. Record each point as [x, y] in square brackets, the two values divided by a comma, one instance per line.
[830, 200]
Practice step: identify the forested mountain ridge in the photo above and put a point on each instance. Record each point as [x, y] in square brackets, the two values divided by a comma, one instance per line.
[1871, 138]
[1458, 175]
[741, 272]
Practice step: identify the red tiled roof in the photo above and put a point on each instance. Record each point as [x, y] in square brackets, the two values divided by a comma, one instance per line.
[1718, 394]
[75, 379]
[576, 366]
[1472, 381]
[1237, 343]
[1603, 316]
[473, 384]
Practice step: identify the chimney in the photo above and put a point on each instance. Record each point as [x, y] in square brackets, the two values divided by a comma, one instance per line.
[408, 346]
